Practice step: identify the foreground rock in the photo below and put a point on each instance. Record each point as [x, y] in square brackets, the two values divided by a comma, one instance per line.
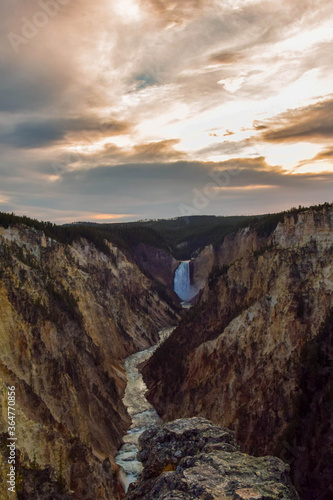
[193, 458]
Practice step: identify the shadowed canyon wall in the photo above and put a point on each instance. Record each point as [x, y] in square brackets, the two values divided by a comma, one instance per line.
[255, 354]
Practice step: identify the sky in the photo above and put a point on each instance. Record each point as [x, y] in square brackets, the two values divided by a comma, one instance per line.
[134, 109]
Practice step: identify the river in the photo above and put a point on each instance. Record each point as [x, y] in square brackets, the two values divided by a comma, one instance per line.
[140, 410]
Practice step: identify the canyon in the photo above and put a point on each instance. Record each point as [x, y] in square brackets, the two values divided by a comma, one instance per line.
[69, 316]
[253, 354]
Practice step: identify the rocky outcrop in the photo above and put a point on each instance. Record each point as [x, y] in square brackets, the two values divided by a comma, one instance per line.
[235, 246]
[192, 458]
[238, 245]
[202, 266]
[69, 315]
[255, 353]
[156, 263]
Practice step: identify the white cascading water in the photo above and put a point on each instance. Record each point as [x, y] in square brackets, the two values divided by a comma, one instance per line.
[141, 411]
[182, 282]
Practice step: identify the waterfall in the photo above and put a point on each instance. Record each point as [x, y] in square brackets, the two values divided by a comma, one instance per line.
[182, 282]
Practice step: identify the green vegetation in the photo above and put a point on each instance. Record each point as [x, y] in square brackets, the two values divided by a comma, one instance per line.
[124, 237]
[266, 224]
[183, 237]
[186, 236]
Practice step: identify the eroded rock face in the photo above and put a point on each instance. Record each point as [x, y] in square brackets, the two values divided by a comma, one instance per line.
[255, 354]
[202, 265]
[193, 458]
[69, 315]
[238, 245]
[157, 263]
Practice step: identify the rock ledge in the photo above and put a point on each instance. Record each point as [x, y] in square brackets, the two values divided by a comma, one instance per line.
[192, 458]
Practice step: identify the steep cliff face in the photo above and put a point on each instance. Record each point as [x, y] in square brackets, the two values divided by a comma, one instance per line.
[201, 266]
[237, 245]
[157, 263]
[250, 354]
[192, 458]
[69, 315]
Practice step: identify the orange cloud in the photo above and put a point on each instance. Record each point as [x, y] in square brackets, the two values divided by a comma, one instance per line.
[309, 123]
[110, 216]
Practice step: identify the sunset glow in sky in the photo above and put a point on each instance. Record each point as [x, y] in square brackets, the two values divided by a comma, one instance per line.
[122, 110]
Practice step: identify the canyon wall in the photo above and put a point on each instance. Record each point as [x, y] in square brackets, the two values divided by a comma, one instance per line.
[234, 246]
[69, 315]
[255, 354]
[156, 263]
[201, 266]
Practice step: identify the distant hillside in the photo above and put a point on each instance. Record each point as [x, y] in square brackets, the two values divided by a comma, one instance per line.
[124, 237]
[182, 237]
[186, 236]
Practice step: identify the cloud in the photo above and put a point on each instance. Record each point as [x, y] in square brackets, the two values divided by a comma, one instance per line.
[321, 163]
[38, 133]
[229, 147]
[309, 123]
[226, 57]
[156, 151]
[88, 156]
[178, 11]
[160, 190]
[327, 154]
[147, 152]
[241, 185]
[122, 96]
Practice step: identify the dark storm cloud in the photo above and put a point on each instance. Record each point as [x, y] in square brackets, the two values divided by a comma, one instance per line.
[26, 85]
[39, 133]
[240, 185]
[142, 181]
[176, 179]
[30, 135]
[309, 123]
[18, 92]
